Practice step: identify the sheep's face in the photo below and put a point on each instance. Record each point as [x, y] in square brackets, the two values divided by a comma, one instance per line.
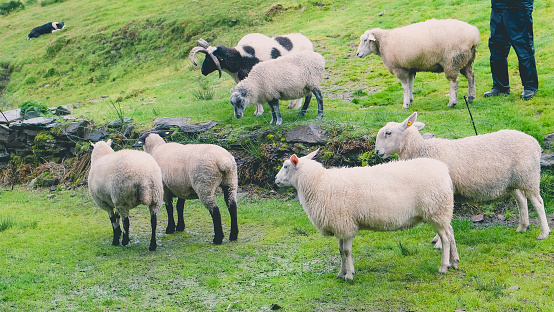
[367, 44]
[391, 138]
[239, 100]
[287, 171]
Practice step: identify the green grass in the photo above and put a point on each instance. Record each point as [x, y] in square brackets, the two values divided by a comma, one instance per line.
[59, 256]
[56, 254]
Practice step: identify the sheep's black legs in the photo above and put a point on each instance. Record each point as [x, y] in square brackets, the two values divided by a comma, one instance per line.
[170, 220]
[153, 223]
[125, 239]
[302, 112]
[218, 230]
[114, 218]
[275, 113]
[180, 218]
[232, 206]
[319, 98]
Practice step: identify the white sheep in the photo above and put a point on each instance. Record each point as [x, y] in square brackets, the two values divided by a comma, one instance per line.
[288, 77]
[385, 197]
[483, 168]
[249, 51]
[194, 171]
[432, 46]
[119, 181]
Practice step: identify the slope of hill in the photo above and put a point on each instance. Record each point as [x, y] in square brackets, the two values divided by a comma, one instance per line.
[130, 50]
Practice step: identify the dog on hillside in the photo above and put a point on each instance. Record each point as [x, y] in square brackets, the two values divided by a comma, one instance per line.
[47, 28]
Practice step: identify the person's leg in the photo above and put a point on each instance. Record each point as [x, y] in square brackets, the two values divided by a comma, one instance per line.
[519, 27]
[499, 47]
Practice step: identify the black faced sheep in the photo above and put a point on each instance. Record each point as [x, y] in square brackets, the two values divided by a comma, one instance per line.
[250, 50]
[288, 77]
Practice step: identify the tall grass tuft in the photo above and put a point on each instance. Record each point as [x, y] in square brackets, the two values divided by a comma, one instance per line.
[204, 91]
[6, 223]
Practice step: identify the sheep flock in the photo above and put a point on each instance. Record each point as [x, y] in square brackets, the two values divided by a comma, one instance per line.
[420, 187]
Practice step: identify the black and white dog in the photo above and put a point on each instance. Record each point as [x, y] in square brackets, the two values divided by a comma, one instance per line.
[45, 29]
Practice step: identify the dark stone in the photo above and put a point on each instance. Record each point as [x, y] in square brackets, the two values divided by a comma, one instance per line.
[547, 160]
[478, 218]
[31, 114]
[428, 135]
[77, 128]
[118, 123]
[166, 123]
[39, 122]
[4, 134]
[548, 140]
[4, 156]
[62, 110]
[96, 135]
[128, 130]
[11, 115]
[311, 134]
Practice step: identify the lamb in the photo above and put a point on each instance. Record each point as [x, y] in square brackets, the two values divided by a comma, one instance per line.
[288, 77]
[194, 171]
[432, 46]
[119, 181]
[483, 168]
[385, 197]
[250, 50]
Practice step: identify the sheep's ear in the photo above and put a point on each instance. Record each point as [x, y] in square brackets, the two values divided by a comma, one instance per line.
[311, 155]
[409, 121]
[91, 144]
[294, 160]
[370, 36]
[164, 133]
[419, 125]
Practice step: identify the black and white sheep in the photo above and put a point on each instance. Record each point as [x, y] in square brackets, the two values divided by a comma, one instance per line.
[432, 46]
[483, 168]
[289, 77]
[119, 181]
[252, 49]
[386, 197]
[194, 171]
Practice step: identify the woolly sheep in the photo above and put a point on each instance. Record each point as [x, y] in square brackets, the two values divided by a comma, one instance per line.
[194, 171]
[288, 77]
[432, 46]
[385, 197]
[249, 51]
[119, 181]
[483, 168]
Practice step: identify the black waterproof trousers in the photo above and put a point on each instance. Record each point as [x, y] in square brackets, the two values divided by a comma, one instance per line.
[512, 28]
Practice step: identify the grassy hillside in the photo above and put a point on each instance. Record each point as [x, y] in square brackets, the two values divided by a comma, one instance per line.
[130, 50]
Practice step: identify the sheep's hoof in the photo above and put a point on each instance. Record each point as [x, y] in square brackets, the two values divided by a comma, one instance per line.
[443, 269]
[438, 245]
[301, 114]
[115, 243]
[543, 235]
[233, 236]
[405, 106]
[319, 117]
[152, 247]
[169, 230]
[470, 98]
[217, 240]
[180, 228]
[452, 105]
[522, 228]
[125, 241]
